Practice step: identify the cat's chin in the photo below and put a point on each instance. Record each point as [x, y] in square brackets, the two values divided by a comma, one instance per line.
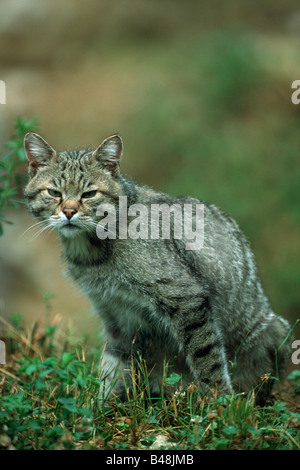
[70, 230]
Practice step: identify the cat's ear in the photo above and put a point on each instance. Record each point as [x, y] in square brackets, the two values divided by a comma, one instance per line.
[109, 154]
[38, 152]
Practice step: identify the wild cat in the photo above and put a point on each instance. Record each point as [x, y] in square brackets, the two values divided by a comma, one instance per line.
[203, 309]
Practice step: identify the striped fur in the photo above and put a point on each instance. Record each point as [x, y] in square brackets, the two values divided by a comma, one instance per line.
[207, 308]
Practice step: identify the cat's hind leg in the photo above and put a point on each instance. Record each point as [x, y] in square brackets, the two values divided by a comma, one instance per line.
[262, 357]
[202, 343]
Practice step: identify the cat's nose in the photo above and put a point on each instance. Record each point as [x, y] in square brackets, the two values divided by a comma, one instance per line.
[69, 212]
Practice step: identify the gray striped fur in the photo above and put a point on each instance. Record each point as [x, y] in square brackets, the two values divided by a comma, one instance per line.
[207, 308]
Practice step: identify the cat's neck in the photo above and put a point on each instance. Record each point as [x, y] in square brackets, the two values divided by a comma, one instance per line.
[85, 250]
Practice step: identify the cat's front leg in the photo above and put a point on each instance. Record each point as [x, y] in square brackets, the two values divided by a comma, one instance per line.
[202, 343]
[114, 379]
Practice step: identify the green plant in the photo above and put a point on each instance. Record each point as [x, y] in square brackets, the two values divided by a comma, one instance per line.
[48, 400]
[295, 377]
[9, 178]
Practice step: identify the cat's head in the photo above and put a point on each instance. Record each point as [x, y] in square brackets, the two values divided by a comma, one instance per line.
[65, 188]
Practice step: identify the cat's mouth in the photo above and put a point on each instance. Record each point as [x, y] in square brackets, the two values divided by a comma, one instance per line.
[69, 228]
[72, 227]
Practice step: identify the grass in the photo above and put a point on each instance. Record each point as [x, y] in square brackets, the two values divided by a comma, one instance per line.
[48, 401]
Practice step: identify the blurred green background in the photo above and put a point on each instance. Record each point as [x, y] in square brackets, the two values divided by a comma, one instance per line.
[200, 93]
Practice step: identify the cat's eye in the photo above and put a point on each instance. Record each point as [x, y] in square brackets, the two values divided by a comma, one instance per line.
[54, 193]
[89, 194]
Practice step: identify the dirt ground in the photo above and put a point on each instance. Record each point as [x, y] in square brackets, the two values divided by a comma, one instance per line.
[287, 395]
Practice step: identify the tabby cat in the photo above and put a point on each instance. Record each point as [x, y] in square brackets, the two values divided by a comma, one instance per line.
[203, 310]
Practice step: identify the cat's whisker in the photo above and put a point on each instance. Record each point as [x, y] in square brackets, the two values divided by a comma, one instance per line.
[20, 201]
[33, 227]
[41, 230]
[51, 229]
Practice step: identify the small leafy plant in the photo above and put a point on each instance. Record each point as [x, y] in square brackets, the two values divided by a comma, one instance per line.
[10, 179]
[48, 400]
